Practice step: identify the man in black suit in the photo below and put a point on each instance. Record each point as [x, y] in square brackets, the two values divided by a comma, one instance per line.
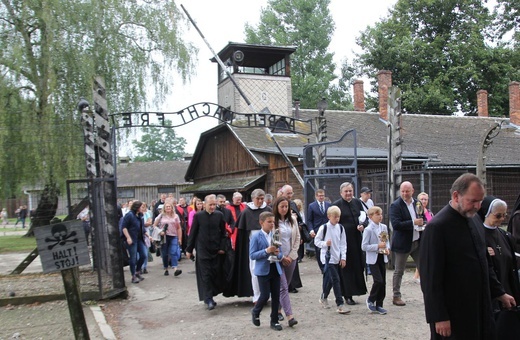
[405, 239]
[316, 217]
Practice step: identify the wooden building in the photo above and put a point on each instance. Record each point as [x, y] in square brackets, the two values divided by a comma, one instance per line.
[436, 149]
[146, 181]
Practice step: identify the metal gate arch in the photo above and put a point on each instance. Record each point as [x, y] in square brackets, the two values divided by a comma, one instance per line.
[328, 164]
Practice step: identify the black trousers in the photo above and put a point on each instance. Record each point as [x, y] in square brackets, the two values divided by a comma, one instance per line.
[269, 285]
[378, 291]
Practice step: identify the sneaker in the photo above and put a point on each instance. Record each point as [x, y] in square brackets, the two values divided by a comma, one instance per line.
[138, 275]
[276, 326]
[135, 280]
[255, 318]
[166, 273]
[371, 306]
[177, 272]
[343, 310]
[381, 310]
[145, 271]
[324, 303]
[280, 317]
[293, 322]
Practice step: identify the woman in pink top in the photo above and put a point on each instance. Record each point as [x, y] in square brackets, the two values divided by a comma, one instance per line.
[170, 224]
[199, 206]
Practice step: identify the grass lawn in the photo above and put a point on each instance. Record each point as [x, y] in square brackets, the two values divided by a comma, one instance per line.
[16, 243]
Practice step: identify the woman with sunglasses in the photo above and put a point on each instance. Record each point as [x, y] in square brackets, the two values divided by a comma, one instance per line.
[500, 248]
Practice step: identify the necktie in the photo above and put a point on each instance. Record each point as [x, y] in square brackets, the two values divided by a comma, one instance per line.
[321, 208]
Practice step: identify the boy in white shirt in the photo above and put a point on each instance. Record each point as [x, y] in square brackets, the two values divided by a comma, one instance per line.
[377, 247]
[331, 239]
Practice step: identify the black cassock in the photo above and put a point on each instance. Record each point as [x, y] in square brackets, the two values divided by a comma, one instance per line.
[455, 276]
[352, 278]
[208, 236]
[240, 282]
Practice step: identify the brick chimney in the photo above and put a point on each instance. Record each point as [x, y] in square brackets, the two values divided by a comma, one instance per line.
[514, 103]
[482, 103]
[384, 79]
[359, 96]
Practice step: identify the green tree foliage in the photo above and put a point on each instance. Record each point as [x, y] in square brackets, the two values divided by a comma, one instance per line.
[439, 56]
[49, 52]
[308, 25]
[508, 18]
[340, 97]
[159, 144]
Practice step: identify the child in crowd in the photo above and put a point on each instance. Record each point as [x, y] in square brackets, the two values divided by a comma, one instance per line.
[260, 249]
[375, 243]
[331, 239]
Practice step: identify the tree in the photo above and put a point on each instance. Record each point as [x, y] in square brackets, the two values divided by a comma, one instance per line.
[50, 52]
[308, 25]
[508, 18]
[340, 97]
[439, 56]
[159, 144]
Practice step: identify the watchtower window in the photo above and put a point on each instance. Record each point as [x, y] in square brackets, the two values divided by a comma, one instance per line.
[278, 69]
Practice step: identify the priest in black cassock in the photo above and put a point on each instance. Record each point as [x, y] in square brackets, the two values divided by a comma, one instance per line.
[352, 278]
[208, 237]
[244, 282]
[455, 279]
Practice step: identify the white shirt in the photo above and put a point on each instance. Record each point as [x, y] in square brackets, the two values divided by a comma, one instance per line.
[338, 247]
[285, 230]
[413, 214]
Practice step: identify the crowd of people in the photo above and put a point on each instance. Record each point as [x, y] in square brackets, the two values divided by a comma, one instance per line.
[465, 262]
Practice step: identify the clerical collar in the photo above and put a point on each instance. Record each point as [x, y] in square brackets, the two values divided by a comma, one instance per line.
[489, 227]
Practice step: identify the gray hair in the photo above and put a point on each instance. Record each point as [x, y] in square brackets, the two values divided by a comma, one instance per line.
[345, 184]
[257, 192]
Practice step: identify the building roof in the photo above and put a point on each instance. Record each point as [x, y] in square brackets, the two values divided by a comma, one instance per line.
[152, 173]
[443, 141]
[224, 184]
[255, 55]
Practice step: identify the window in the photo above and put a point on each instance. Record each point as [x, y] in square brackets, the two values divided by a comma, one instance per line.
[126, 193]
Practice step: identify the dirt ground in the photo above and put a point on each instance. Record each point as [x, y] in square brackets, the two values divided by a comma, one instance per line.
[166, 305]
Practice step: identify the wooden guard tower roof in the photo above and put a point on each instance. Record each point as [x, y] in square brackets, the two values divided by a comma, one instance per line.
[255, 55]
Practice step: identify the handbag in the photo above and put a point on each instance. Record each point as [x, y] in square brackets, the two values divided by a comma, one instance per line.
[508, 324]
[158, 252]
[304, 233]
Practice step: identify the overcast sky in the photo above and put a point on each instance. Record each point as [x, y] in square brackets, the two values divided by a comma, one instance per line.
[223, 21]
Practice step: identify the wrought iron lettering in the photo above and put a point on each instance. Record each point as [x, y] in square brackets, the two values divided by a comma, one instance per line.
[200, 110]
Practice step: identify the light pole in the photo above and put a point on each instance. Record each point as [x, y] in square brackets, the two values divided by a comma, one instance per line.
[490, 134]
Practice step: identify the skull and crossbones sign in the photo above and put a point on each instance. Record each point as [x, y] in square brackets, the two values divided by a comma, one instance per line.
[60, 236]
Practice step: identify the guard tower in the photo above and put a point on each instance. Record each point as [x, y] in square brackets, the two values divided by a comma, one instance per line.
[262, 72]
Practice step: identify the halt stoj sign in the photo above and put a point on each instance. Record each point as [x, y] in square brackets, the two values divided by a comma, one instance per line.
[62, 246]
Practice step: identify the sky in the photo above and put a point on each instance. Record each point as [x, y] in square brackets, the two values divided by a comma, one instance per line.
[223, 21]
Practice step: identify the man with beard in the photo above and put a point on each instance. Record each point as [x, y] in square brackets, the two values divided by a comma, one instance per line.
[455, 280]
[208, 237]
[244, 280]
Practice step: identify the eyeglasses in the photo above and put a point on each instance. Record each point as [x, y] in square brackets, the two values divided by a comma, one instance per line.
[499, 216]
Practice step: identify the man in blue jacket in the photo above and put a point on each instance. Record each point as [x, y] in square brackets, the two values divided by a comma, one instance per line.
[316, 217]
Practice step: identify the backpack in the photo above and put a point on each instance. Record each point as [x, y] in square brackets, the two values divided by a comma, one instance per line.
[325, 230]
